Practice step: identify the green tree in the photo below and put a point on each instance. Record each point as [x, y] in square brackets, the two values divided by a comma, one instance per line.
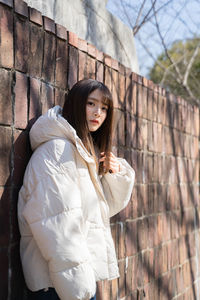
[178, 69]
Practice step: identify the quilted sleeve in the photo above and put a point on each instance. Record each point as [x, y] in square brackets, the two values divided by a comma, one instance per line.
[54, 215]
[118, 187]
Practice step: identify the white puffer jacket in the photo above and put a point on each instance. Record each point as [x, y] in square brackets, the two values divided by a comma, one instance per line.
[64, 210]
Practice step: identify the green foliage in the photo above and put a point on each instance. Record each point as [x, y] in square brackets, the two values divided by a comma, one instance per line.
[164, 73]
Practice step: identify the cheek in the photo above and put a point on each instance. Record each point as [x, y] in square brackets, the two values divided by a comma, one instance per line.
[104, 117]
[88, 111]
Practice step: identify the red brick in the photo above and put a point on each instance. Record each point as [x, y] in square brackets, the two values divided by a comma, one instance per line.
[175, 254]
[99, 71]
[145, 81]
[35, 99]
[128, 94]
[157, 261]
[196, 122]
[49, 25]
[91, 49]
[49, 58]
[107, 60]
[145, 263]
[114, 289]
[120, 128]
[108, 78]
[5, 155]
[131, 238]
[141, 167]
[168, 145]
[21, 102]
[154, 106]
[21, 44]
[116, 116]
[166, 227]
[139, 271]
[4, 216]
[35, 16]
[142, 234]
[6, 37]
[82, 45]
[121, 279]
[21, 8]
[7, 2]
[99, 293]
[36, 50]
[22, 153]
[152, 231]
[164, 267]
[73, 39]
[128, 275]
[122, 69]
[134, 77]
[73, 67]
[160, 228]
[139, 79]
[150, 104]
[134, 97]
[121, 240]
[186, 274]
[141, 105]
[114, 64]
[61, 64]
[114, 88]
[194, 148]
[99, 55]
[106, 290]
[91, 67]
[142, 126]
[181, 165]
[134, 132]
[128, 72]
[4, 273]
[59, 97]
[144, 193]
[5, 97]
[82, 65]
[61, 32]
[47, 97]
[121, 100]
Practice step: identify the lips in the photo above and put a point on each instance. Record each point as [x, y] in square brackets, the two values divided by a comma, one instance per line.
[94, 121]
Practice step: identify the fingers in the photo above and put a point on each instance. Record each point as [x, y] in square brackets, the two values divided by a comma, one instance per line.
[113, 166]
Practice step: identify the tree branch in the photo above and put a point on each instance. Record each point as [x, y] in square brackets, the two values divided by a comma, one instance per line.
[185, 79]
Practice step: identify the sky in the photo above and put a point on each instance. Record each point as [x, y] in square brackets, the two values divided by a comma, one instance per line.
[178, 20]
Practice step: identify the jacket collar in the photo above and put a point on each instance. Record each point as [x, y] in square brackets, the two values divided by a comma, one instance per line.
[52, 125]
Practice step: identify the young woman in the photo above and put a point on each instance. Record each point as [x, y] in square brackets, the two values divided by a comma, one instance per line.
[72, 185]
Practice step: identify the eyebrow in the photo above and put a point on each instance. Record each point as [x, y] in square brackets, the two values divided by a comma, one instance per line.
[97, 100]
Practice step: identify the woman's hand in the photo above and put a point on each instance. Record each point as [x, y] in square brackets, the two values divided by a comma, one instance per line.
[111, 160]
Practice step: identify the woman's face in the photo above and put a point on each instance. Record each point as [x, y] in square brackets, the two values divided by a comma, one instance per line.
[96, 110]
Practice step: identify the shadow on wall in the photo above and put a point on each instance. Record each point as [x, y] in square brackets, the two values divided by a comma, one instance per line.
[11, 270]
[160, 193]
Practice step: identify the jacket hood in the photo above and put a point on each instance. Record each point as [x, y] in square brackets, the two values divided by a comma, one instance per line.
[51, 126]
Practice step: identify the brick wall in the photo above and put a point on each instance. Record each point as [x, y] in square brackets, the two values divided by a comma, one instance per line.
[157, 236]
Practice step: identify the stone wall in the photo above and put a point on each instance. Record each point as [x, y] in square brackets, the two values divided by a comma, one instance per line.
[157, 236]
[91, 21]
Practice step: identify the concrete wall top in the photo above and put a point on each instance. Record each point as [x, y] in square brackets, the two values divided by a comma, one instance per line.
[91, 21]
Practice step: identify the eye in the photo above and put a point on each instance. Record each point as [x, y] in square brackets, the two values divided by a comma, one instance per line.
[104, 108]
[90, 103]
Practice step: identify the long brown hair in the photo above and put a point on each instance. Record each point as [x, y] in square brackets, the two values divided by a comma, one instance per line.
[74, 111]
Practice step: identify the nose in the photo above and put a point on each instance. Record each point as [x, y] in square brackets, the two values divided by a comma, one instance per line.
[97, 111]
